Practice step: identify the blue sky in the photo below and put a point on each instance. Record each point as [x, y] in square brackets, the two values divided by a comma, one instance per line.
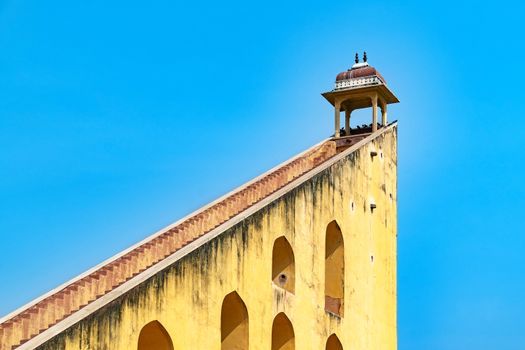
[117, 118]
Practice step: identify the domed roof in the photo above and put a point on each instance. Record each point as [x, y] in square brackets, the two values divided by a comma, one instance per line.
[355, 87]
[359, 70]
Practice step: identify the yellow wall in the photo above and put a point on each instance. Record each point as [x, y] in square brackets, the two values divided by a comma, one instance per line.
[187, 297]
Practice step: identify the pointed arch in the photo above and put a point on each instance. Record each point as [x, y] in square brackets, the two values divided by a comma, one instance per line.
[334, 269]
[283, 264]
[283, 336]
[153, 336]
[333, 343]
[234, 323]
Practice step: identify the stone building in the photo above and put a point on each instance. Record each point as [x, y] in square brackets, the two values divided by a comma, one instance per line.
[301, 257]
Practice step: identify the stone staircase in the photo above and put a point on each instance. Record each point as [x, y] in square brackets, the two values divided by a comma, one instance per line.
[56, 307]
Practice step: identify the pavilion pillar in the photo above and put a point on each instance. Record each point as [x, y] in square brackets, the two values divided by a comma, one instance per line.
[374, 113]
[383, 115]
[337, 120]
[347, 121]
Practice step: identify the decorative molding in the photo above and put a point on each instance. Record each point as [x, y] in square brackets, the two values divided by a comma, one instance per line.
[358, 82]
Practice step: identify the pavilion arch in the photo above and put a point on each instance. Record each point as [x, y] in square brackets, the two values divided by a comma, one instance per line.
[333, 343]
[283, 264]
[357, 102]
[234, 323]
[153, 336]
[283, 336]
[334, 269]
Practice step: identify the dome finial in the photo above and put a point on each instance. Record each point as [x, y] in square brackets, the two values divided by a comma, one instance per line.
[364, 57]
[356, 58]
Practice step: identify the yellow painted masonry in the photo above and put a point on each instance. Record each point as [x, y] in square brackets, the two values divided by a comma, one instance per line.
[186, 297]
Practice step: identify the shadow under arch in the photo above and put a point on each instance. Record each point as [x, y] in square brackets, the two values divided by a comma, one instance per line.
[153, 336]
[283, 335]
[334, 269]
[283, 264]
[333, 343]
[234, 323]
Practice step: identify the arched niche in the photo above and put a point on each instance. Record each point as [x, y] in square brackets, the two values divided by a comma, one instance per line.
[234, 323]
[283, 336]
[283, 265]
[334, 269]
[333, 343]
[153, 336]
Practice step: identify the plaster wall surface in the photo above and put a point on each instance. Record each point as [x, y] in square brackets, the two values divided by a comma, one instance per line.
[186, 298]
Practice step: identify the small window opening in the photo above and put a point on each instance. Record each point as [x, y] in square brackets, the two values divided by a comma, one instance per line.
[334, 269]
[154, 336]
[333, 343]
[283, 336]
[283, 265]
[234, 323]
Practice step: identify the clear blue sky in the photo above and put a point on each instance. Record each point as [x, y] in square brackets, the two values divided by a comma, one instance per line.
[118, 117]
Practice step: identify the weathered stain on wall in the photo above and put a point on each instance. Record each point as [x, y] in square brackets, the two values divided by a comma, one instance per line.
[186, 298]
